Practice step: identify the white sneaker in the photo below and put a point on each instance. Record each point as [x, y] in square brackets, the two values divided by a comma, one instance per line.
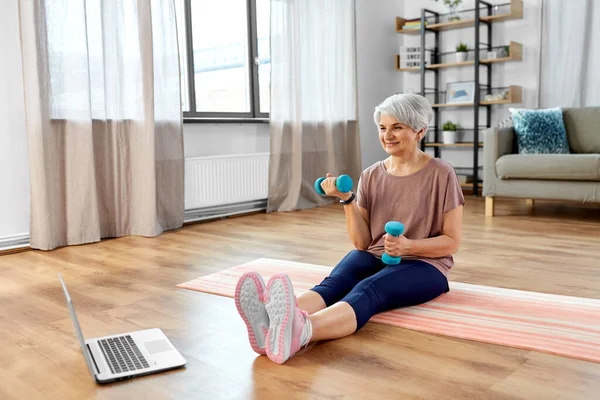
[249, 300]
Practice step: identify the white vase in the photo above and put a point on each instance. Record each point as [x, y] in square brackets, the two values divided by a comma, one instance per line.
[449, 137]
[461, 56]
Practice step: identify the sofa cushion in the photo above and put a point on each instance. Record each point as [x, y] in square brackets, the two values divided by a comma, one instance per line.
[583, 129]
[562, 167]
[540, 131]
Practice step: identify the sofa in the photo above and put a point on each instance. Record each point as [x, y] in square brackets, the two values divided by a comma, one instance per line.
[570, 177]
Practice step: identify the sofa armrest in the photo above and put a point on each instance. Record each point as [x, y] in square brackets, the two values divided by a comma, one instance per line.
[496, 143]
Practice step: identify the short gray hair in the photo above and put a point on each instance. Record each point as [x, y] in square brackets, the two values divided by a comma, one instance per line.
[408, 108]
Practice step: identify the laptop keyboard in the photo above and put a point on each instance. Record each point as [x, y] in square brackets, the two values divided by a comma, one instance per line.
[122, 354]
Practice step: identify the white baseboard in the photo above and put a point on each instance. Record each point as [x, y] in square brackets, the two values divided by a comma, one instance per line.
[14, 241]
[223, 211]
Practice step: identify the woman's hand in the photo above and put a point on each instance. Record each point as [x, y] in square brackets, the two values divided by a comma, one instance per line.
[330, 189]
[397, 246]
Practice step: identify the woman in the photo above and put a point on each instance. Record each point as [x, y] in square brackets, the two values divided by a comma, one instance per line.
[409, 186]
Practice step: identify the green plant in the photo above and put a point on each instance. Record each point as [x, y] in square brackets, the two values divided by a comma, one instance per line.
[451, 3]
[449, 126]
[507, 50]
[461, 47]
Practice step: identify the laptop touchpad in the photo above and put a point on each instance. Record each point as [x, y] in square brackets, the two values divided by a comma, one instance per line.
[157, 346]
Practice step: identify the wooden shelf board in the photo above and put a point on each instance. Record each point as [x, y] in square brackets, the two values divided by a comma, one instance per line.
[452, 105]
[444, 26]
[465, 144]
[496, 60]
[507, 101]
[447, 65]
[502, 17]
[410, 31]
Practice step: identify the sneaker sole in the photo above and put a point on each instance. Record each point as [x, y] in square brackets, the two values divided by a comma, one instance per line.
[249, 293]
[279, 305]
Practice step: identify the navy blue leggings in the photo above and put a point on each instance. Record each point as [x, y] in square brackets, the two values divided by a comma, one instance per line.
[370, 287]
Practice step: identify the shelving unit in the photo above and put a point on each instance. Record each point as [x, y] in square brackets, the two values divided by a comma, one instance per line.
[433, 23]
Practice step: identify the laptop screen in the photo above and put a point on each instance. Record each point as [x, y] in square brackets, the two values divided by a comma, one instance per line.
[84, 348]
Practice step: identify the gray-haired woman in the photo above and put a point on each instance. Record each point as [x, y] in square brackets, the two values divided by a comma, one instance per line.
[409, 186]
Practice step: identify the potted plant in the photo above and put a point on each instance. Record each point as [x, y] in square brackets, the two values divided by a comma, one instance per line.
[449, 130]
[461, 52]
[452, 6]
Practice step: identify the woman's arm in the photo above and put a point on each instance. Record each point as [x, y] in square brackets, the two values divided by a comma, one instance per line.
[447, 243]
[357, 221]
[357, 218]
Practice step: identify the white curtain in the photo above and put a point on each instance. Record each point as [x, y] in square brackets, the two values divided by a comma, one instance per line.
[570, 53]
[313, 117]
[104, 119]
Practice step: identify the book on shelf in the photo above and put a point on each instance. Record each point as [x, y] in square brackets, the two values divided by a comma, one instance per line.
[413, 25]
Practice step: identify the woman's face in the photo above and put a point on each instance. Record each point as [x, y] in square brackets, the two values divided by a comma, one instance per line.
[396, 137]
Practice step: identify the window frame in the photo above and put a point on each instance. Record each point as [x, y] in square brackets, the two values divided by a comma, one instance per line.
[254, 115]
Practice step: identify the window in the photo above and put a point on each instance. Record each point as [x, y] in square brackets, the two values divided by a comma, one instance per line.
[225, 60]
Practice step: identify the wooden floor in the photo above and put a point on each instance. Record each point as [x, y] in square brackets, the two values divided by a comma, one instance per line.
[129, 284]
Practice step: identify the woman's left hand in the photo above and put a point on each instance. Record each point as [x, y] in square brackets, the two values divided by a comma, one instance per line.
[397, 246]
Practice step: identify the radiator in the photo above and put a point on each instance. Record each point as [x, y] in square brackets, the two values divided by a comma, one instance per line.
[222, 180]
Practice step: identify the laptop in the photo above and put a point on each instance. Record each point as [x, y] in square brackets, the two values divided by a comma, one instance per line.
[125, 356]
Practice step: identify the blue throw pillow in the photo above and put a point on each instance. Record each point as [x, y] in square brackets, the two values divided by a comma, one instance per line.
[540, 131]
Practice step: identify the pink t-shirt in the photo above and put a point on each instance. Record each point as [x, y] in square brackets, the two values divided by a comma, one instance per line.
[418, 201]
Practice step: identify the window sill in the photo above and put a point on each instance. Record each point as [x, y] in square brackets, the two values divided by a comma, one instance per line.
[192, 120]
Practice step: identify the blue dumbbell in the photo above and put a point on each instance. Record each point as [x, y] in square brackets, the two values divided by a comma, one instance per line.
[343, 184]
[393, 228]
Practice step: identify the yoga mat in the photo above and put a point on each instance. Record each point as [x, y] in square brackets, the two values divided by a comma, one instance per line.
[560, 325]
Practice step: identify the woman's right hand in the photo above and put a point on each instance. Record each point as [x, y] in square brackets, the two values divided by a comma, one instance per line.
[329, 187]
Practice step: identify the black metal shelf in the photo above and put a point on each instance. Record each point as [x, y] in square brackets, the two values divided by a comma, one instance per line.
[433, 23]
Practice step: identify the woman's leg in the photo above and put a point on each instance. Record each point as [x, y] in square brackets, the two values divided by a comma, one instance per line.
[353, 268]
[411, 283]
[290, 328]
[408, 284]
[311, 302]
[334, 322]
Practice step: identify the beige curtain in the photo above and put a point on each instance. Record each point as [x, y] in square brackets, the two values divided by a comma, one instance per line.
[313, 118]
[570, 54]
[104, 121]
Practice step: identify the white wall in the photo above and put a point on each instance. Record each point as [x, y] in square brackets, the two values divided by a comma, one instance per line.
[212, 139]
[14, 165]
[524, 73]
[376, 46]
